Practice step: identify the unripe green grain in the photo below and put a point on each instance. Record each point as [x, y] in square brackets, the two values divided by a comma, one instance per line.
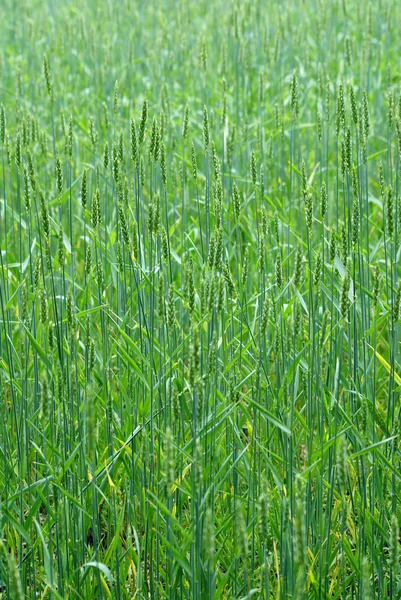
[376, 288]
[309, 212]
[366, 116]
[18, 151]
[317, 275]
[100, 275]
[253, 168]
[323, 200]
[84, 191]
[344, 244]
[348, 149]
[46, 70]
[44, 215]
[185, 123]
[121, 148]
[390, 213]
[93, 134]
[298, 267]
[171, 308]
[348, 52]
[27, 190]
[354, 109]
[279, 272]
[294, 94]
[245, 267]
[228, 279]
[37, 272]
[212, 359]
[261, 254]
[216, 165]
[236, 201]
[344, 300]
[134, 144]
[397, 303]
[206, 134]
[153, 136]
[31, 171]
[193, 163]
[116, 95]
[163, 167]
[194, 354]
[43, 307]
[142, 124]
[165, 248]
[340, 110]
[304, 189]
[2, 124]
[355, 223]
[96, 215]
[123, 224]
[61, 248]
[390, 114]
[105, 116]
[70, 139]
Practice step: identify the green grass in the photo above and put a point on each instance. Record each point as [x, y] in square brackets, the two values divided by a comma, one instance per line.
[200, 300]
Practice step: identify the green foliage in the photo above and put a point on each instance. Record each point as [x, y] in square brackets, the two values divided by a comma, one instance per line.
[200, 300]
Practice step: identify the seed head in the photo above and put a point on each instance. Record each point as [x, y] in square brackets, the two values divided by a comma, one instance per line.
[294, 94]
[142, 124]
[93, 133]
[185, 123]
[245, 267]
[253, 168]
[193, 162]
[376, 290]
[116, 98]
[61, 248]
[309, 212]
[2, 124]
[279, 272]
[344, 301]
[323, 200]
[59, 176]
[390, 212]
[366, 117]
[46, 70]
[354, 109]
[206, 134]
[171, 308]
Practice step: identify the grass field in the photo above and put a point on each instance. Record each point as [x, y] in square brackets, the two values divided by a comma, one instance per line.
[200, 299]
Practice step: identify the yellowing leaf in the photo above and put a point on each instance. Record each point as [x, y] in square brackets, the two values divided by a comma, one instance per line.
[185, 471]
[385, 364]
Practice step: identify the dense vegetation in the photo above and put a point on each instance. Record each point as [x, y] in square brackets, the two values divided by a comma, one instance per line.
[200, 299]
